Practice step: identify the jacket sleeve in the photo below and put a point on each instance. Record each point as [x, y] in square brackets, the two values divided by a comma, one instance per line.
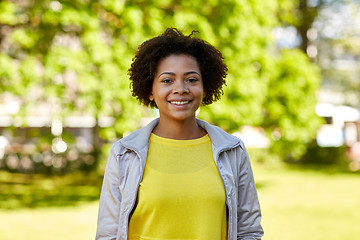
[248, 212]
[110, 199]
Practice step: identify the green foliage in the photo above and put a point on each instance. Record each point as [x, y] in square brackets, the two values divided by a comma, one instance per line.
[34, 191]
[78, 52]
[290, 103]
[342, 51]
[329, 156]
[8, 13]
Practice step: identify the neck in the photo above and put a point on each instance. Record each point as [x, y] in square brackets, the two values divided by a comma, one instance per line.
[181, 130]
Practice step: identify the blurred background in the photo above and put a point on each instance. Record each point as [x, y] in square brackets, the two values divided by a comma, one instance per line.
[292, 96]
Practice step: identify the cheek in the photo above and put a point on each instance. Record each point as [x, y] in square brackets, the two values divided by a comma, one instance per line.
[201, 92]
[202, 88]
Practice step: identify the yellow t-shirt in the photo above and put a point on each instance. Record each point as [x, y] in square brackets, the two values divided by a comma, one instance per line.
[181, 195]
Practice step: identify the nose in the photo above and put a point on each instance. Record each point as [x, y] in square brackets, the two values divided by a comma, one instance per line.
[180, 87]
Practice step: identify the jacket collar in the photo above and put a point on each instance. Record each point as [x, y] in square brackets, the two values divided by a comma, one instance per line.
[139, 140]
[220, 139]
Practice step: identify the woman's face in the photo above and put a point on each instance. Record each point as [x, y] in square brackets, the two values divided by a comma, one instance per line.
[178, 87]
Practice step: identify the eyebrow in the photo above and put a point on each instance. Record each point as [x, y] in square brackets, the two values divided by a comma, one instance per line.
[185, 74]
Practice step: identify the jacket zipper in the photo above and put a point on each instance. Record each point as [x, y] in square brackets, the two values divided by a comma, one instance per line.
[136, 193]
[222, 178]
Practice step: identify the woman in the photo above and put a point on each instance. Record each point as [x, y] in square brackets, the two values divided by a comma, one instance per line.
[179, 177]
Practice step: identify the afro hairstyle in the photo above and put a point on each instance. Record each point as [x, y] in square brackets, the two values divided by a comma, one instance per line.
[174, 42]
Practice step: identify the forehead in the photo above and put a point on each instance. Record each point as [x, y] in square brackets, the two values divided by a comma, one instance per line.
[178, 62]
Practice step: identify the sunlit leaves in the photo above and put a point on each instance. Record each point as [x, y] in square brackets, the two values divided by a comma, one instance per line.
[291, 100]
[114, 6]
[25, 39]
[78, 53]
[8, 71]
[8, 13]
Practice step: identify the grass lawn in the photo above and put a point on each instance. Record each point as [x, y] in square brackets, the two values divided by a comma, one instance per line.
[60, 223]
[304, 205]
[296, 205]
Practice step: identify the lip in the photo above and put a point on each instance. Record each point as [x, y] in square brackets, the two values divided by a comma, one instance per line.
[180, 102]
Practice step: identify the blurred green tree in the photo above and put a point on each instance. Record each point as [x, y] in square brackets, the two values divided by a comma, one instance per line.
[338, 31]
[329, 33]
[75, 55]
[301, 14]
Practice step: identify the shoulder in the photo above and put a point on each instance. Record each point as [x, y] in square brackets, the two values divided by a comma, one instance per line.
[117, 148]
[219, 137]
[139, 139]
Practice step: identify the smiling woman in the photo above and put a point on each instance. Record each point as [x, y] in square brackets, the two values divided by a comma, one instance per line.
[178, 92]
[179, 177]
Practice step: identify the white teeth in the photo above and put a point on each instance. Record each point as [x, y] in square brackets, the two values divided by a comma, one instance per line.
[180, 102]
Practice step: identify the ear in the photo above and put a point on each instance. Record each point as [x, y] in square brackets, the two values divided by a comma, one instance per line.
[151, 97]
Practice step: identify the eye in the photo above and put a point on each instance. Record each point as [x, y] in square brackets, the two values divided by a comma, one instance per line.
[166, 80]
[192, 79]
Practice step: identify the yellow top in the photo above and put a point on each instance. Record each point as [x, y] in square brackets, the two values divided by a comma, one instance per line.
[181, 195]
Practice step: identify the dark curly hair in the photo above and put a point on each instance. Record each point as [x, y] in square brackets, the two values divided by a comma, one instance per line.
[172, 41]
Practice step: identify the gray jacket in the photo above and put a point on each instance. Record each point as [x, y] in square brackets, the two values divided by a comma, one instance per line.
[124, 171]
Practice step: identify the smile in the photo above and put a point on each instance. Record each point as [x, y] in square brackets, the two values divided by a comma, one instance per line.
[180, 102]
